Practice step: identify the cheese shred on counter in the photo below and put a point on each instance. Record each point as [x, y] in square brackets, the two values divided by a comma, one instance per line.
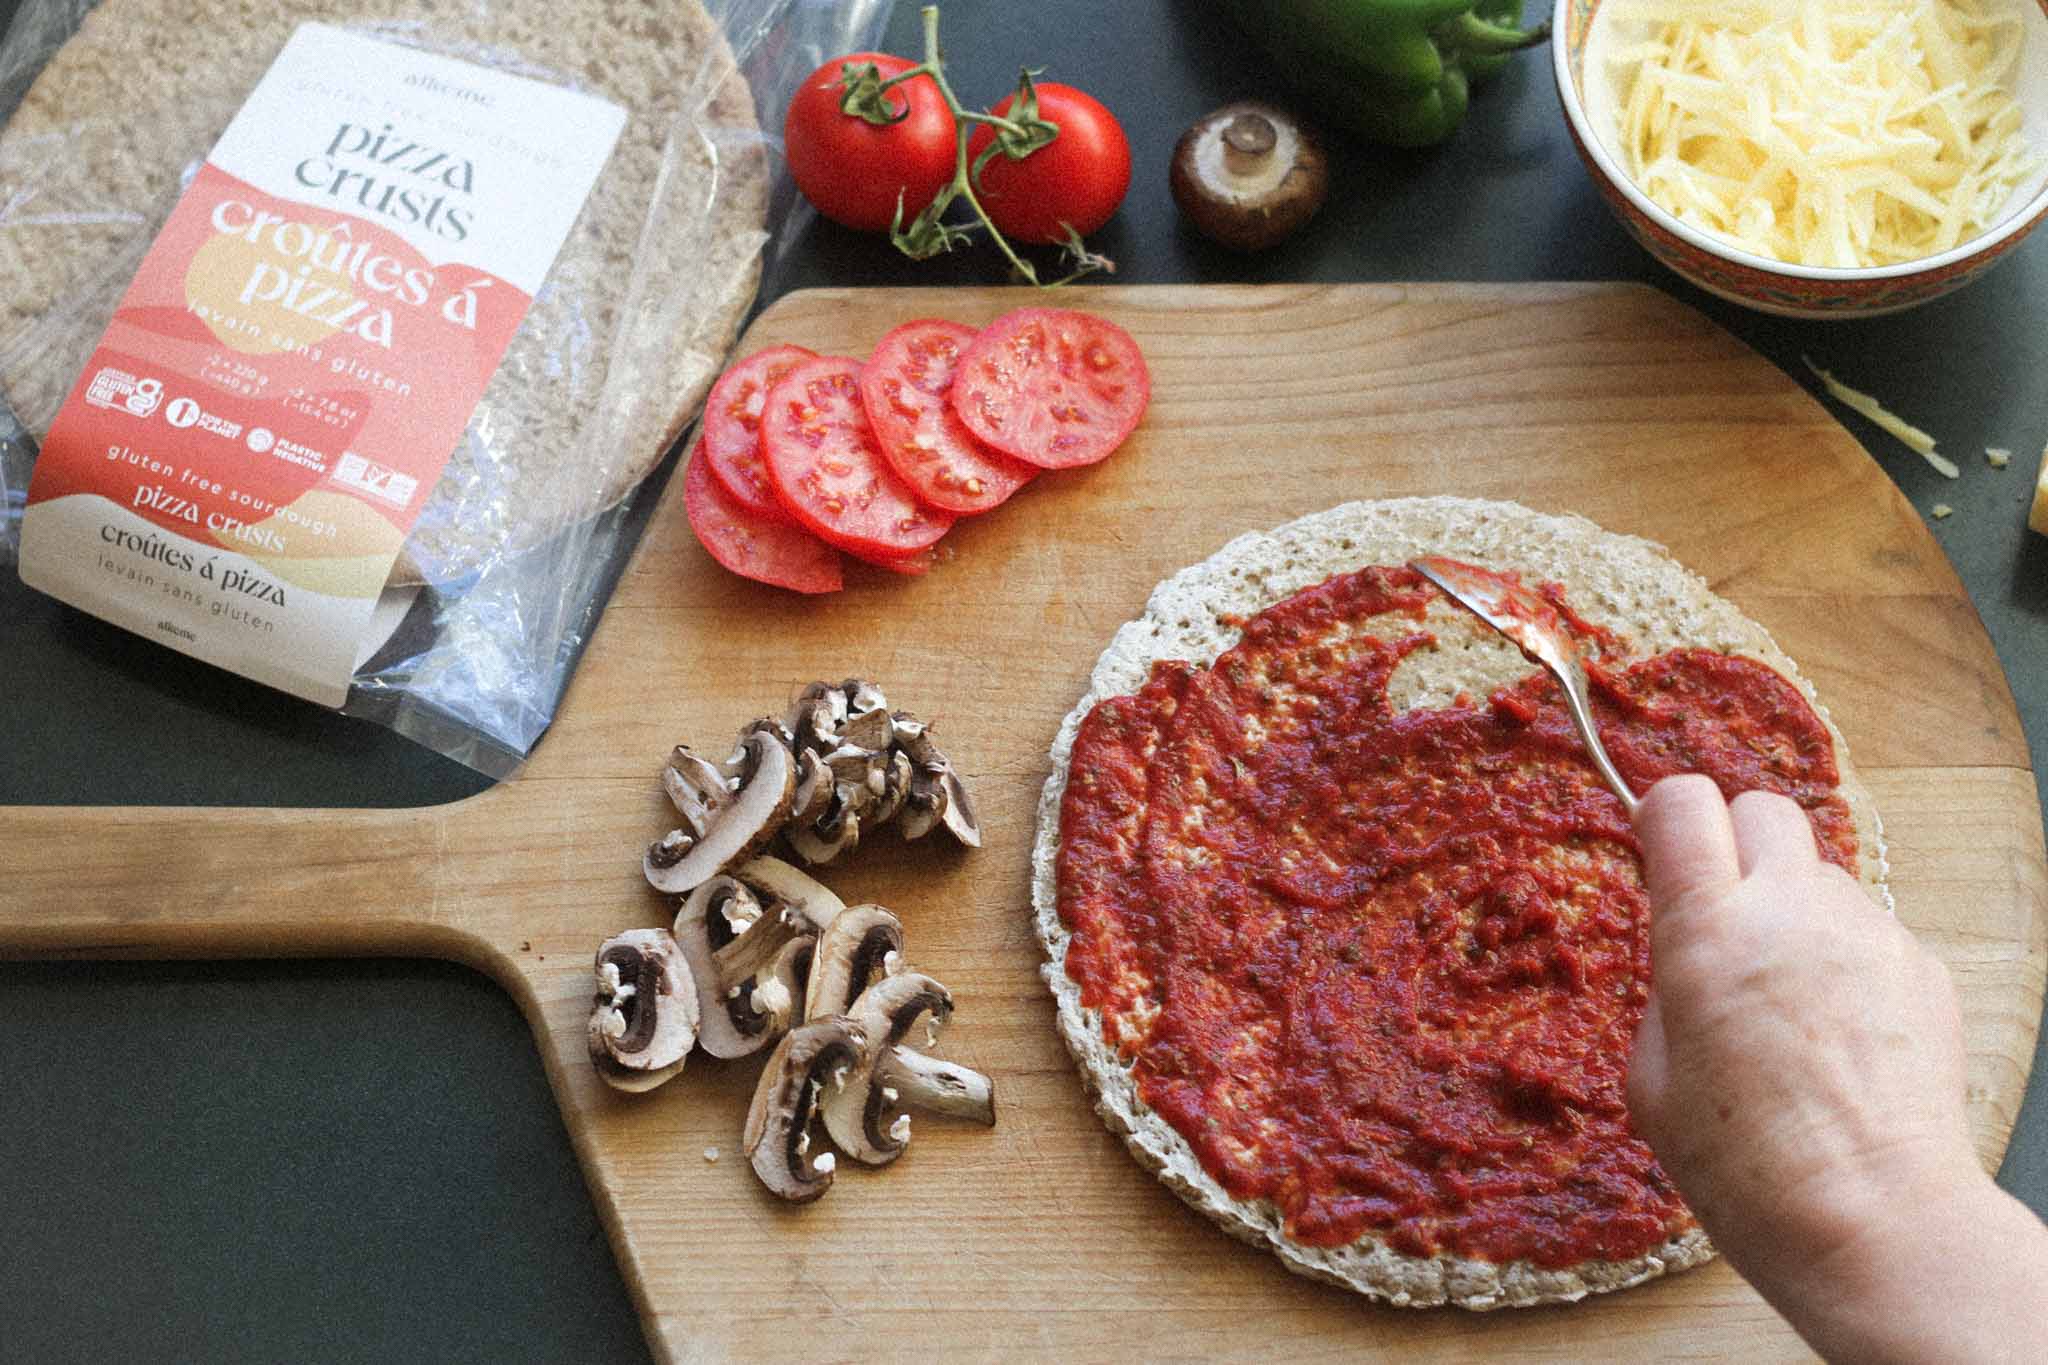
[1823, 132]
[1913, 437]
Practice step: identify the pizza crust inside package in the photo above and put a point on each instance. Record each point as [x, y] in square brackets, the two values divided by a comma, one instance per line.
[116, 111]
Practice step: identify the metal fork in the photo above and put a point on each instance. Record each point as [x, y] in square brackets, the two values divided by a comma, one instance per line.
[1533, 625]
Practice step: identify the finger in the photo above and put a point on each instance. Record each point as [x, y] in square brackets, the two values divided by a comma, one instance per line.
[1771, 831]
[1688, 844]
[1649, 1069]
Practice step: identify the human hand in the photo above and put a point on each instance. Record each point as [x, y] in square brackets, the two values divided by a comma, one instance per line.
[1800, 1062]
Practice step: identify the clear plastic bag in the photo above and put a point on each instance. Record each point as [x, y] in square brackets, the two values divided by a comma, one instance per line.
[505, 574]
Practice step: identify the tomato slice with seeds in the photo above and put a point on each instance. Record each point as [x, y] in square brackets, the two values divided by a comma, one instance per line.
[732, 426]
[829, 473]
[904, 387]
[776, 552]
[1052, 386]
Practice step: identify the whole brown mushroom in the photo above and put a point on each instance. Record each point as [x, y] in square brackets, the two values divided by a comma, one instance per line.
[1248, 175]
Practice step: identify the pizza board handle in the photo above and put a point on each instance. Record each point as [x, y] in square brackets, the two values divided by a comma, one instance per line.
[246, 882]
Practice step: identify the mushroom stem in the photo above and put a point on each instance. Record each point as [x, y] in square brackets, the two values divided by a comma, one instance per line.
[696, 788]
[1247, 141]
[781, 881]
[753, 951]
[939, 1087]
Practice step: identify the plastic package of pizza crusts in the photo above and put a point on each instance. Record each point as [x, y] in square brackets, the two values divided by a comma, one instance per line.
[118, 112]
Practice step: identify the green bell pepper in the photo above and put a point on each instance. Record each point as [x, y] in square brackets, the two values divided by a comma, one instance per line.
[1393, 71]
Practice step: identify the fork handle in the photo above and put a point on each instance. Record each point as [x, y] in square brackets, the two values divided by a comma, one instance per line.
[1582, 717]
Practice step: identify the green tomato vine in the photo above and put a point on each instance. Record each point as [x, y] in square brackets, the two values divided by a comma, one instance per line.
[1017, 135]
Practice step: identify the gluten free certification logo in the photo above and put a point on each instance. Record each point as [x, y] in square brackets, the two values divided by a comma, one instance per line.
[124, 392]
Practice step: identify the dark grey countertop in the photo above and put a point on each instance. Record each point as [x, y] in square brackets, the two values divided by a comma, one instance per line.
[362, 1160]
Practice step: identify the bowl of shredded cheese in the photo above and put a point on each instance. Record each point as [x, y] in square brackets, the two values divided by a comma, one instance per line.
[1814, 158]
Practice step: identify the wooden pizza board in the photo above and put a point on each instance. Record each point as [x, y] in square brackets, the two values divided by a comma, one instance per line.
[1043, 1237]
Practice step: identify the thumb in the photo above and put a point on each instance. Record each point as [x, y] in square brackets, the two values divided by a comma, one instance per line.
[1649, 1071]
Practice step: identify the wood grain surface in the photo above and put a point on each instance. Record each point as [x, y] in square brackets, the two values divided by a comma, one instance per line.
[1042, 1237]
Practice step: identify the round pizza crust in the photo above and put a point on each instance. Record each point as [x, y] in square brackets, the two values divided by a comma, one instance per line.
[597, 383]
[1626, 584]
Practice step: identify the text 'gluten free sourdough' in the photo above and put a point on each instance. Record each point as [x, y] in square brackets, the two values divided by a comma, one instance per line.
[236, 469]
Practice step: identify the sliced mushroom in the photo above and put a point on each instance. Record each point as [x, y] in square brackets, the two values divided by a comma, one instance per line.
[646, 1015]
[871, 730]
[780, 881]
[923, 806]
[835, 832]
[773, 725]
[937, 795]
[958, 813]
[738, 955]
[862, 1109]
[778, 1129]
[743, 826]
[862, 697]
[819, 711]
[860, 946]
[697, 788]
[895, 788]
[780, 992]
[855, 766]
[812, 726]
[813, 789]
[669, 849]
[838, 765]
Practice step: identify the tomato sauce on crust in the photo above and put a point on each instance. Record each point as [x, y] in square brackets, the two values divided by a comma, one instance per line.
[1385, 969]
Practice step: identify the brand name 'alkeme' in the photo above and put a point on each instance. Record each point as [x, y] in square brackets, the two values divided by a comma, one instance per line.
[394, 176]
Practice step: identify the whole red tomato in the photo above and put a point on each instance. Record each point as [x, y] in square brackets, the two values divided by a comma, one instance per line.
[854, 170]
[1075, 181]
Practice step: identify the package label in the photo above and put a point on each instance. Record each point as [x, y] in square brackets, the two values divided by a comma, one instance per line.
[235, 471]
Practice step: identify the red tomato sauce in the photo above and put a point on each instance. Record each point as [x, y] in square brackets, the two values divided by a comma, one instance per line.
[1385, 969]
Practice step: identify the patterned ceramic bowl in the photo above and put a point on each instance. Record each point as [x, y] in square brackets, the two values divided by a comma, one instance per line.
[1774, 286]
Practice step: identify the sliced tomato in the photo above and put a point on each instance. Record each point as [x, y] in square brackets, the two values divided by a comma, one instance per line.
[904, 387]
[732, 426]
[828, 472]
[1052, 386]
[776, 552]
[912, 565]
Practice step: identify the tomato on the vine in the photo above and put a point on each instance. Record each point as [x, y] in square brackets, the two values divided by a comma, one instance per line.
[1077, 180]
[854, 170]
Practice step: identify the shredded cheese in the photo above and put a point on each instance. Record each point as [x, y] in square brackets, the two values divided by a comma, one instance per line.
[2037, 519]
[1942, 510]
[1914, 438]
[1823, 132]
[1998, 457]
